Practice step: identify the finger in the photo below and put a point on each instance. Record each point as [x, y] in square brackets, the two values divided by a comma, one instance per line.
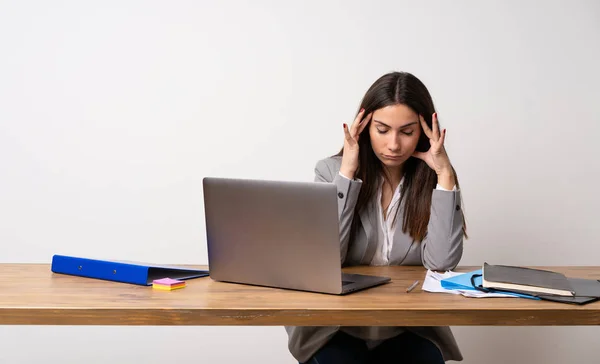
[347, 134]
[425, 127]
[356, 122]
[364, 123]
[442, 137]
[436, 127]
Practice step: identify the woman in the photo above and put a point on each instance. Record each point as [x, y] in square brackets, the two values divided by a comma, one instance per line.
[399, 205]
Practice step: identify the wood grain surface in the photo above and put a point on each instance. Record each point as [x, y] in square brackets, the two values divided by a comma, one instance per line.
[30, 294]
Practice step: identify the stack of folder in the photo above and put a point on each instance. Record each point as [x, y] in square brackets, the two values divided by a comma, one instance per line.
[547, 285]
[527, 283]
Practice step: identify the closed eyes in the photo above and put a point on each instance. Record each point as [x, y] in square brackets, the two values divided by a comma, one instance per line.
[380, 131]
[384, 128]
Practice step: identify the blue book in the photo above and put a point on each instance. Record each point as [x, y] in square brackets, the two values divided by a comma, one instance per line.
[120, 271]
[463, 281]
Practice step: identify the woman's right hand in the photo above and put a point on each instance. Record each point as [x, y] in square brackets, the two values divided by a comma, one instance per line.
[352, 134]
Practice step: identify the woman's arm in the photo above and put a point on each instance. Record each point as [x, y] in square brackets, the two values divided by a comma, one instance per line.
[442, 247]
[327, 170]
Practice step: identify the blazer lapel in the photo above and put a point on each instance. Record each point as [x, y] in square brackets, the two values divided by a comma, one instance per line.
[368, 218]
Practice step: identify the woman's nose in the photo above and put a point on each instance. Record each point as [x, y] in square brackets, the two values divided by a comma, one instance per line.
[394, 143]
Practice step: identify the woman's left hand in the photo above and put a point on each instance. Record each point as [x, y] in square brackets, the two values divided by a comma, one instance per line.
[436, 157]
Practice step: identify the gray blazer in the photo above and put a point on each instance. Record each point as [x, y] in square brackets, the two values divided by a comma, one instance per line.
[440, 250]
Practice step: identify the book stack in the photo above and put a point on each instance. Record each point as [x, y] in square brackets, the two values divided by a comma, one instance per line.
[505, 280]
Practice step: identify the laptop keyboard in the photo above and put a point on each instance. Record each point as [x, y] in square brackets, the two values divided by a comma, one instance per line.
[345, 283]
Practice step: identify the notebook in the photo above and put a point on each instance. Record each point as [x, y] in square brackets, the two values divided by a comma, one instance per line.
[586, 291]
[587, 295]
[526, 280]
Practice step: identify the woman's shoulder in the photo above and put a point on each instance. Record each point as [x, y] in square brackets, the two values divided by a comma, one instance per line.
[328, 167]
[333, 163]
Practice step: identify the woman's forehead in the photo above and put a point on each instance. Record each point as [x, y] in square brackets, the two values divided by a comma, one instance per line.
[395, 116]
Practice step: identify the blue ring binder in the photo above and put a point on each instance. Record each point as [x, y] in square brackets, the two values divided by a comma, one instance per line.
[120, 271]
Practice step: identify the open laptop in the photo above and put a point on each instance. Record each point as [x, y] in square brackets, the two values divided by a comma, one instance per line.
[277, 234]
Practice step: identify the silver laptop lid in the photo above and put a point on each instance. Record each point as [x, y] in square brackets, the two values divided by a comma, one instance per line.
[273, 233]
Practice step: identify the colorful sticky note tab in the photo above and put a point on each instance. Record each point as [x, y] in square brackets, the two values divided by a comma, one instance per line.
[167, 281]
[167, 284]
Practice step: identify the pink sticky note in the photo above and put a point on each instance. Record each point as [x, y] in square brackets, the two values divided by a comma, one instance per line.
[166, 281]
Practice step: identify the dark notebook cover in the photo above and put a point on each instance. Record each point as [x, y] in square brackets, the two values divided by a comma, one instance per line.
[586, 291]
[528, 278]
[585, 287]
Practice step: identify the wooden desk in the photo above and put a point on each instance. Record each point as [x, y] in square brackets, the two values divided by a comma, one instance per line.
[30, 294]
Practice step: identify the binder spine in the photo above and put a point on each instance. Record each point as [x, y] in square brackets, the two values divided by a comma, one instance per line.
[100, 269]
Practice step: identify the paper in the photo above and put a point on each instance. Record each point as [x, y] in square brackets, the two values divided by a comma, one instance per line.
[433, 283]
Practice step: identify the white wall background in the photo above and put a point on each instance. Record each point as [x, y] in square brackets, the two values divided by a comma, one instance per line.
[111, 113]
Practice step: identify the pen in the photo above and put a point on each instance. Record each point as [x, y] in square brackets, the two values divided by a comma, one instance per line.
[412, 286]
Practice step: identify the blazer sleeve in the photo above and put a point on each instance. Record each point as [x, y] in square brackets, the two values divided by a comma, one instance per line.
[442, 248]
[327, 171]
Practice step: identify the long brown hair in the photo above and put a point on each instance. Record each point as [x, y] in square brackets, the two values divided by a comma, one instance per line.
[419, 179]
